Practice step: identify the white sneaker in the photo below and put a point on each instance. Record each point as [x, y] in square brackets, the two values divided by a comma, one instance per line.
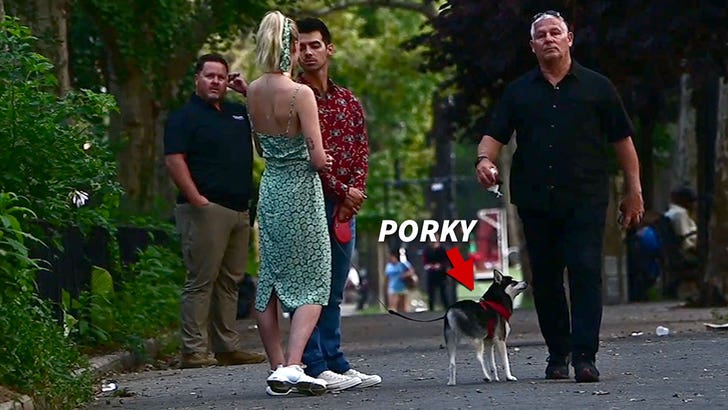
[292, 378]
[367, 380]
[337, 382]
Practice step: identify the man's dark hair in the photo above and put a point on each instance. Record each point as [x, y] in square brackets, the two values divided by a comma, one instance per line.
[312, 24]
[213, 57]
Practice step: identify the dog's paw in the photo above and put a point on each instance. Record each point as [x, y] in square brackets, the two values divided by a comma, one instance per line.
[451, 383]
[512, 378]
[487, 379]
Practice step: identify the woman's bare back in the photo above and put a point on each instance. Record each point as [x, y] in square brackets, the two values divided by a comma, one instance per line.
[271, 100]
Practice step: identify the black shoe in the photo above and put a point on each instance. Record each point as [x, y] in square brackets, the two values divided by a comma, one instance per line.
[585, 371]
[557, 369]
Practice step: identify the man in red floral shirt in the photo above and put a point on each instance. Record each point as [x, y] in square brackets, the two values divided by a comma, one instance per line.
[343, 128]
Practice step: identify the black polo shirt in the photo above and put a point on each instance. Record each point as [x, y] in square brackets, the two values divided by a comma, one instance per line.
[561, 134]
[218, 150]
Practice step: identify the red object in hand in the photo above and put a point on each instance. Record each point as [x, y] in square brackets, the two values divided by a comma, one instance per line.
[342, 229]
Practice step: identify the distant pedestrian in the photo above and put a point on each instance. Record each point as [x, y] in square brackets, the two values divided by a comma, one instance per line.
[396, 271]
[436, 264]
[681, 208]
[643, 255]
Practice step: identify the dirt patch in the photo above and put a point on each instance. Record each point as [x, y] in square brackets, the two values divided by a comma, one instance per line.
[7, 394]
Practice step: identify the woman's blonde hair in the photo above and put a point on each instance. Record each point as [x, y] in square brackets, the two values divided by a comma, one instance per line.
[269, 41]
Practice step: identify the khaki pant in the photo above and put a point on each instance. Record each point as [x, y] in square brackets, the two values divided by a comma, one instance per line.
[215, 251]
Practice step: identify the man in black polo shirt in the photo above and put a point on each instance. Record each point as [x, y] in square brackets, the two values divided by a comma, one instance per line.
[563, 115]
[208, 152]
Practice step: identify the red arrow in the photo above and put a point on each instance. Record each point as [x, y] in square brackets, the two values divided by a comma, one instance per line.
[462, 271]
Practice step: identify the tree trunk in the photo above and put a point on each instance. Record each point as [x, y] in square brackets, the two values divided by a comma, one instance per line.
[2, 10]
[138, 128]
[715, 288]
[706, 97]
[684, 152]
[645, 147]
[442, 171]
[48, 19]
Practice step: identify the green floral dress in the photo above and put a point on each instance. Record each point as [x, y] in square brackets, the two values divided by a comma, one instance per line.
[295, 253]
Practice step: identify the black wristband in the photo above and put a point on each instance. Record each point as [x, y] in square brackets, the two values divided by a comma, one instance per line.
[480, 158]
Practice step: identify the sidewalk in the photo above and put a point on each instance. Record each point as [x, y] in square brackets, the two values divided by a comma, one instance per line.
[384, 332]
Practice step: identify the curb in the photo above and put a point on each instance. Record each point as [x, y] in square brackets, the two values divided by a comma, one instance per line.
[20, 403]
[121, 360]
[102, 365]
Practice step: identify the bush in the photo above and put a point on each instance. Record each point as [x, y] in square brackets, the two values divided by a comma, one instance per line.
[149, 300]
[54, 149]
[56, 156]
[35, 357]
[146, 302]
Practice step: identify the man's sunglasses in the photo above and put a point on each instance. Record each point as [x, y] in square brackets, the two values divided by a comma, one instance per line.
[553, 13]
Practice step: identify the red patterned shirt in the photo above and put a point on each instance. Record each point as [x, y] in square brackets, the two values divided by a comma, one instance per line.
[344, 133]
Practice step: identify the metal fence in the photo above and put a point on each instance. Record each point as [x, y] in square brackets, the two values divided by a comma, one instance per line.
[67, 256]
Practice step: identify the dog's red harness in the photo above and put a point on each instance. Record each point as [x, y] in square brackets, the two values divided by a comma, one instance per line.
[498, 308]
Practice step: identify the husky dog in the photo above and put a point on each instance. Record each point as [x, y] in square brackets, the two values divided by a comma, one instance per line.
[484, 322]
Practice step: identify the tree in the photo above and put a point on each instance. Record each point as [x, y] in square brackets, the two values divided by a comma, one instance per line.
[141, 52]
[54, 147]
[48, 21]
[642, 46]
[400, 184]
[716, 278]
[425, 7]
[370, 60]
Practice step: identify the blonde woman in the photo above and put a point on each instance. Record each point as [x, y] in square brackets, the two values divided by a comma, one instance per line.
[294, 241]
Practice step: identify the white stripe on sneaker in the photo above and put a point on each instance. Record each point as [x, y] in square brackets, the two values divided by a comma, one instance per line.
[337, 382]
[367, 380]
[286, 379]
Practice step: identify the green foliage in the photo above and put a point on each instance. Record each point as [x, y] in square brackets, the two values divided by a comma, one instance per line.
[146, 303]
[149, 301]
[149, 35]
[53, 146]
[35, 357]
[397, 97]
[16, 266]
[38, 360]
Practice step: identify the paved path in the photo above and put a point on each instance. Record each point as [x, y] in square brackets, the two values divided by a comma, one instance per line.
[689, 367]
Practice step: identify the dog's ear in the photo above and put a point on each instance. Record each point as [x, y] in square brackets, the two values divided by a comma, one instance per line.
[498, 276]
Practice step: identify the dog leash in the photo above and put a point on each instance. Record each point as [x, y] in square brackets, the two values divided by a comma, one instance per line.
[395, 313]
[384, 305]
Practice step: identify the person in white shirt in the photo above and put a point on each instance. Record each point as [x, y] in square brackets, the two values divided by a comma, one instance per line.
[682, 201]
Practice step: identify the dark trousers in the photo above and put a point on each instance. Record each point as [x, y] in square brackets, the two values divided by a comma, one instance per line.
[437, 284]
[572, 241]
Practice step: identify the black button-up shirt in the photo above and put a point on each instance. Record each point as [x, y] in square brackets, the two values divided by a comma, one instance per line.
[561, 133]
[218, 149]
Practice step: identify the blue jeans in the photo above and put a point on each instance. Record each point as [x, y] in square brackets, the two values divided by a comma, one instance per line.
[323, 349]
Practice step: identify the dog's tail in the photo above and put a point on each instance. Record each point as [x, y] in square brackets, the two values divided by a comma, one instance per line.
[394, 312]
